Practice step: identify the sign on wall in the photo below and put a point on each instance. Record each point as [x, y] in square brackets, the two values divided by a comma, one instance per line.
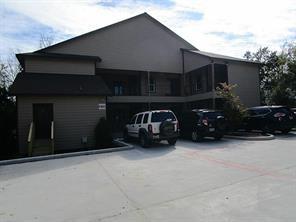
[102, 106]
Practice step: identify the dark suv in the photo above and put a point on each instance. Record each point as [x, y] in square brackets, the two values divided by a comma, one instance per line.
[197, 124]
[270, 118]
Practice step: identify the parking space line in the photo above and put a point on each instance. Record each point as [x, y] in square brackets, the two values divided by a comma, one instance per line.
[238, 166]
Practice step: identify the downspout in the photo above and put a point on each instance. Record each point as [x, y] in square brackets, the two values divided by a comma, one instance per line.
[213, 86]
[106, 102]
[184, 78]
[183, 70]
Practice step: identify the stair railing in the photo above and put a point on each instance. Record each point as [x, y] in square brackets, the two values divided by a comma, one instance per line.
[52, 137]
[31, 139]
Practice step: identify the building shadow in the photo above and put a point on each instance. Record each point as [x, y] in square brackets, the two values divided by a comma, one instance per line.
[11, 171]
[155, 150]
[290, 136]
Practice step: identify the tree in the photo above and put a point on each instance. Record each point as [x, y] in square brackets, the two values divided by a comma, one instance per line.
[277, 74]
[7, 116]
[9, 68]
[45, 40]
[233, 108]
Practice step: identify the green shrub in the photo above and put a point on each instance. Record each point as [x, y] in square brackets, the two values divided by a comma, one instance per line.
[233, 109]
[103, 134]
[8, 118]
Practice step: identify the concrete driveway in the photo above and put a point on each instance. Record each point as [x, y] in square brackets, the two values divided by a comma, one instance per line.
[226, 180]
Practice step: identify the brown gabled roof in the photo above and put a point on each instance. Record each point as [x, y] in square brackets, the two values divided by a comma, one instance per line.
[218, 56]
[58, 55]
[58, 84]
[118, 23]
[21, 56]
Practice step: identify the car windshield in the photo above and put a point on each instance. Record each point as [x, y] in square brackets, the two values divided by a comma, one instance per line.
[255, 112]
[282, 110]
[213, 115]
[162, 116]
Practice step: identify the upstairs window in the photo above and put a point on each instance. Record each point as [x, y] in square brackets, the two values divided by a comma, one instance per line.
[174, 87]
[152, 85]
[197, 85]
[118, 88]
[221, 74]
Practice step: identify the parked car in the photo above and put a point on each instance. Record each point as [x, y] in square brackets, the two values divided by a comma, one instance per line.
[197, 124]
[270, 118]
[152, 126]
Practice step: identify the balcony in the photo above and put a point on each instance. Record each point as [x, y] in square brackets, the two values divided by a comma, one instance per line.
[200, 81]
[139, 83]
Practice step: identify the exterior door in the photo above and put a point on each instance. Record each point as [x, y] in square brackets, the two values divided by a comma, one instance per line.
[42, 118]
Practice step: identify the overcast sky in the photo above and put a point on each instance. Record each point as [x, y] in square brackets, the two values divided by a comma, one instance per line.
[228, 27]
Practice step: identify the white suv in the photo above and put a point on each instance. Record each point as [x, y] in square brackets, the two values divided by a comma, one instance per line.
[151, 126]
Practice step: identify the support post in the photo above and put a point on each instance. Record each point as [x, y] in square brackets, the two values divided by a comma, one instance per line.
[149, 103]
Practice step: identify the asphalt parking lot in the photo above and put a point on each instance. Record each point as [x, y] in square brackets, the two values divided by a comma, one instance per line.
[227, 180]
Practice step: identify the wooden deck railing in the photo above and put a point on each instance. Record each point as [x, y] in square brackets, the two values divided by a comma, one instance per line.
[31, 139]
[52, 137]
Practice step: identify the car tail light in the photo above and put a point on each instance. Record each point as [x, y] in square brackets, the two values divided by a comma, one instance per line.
[150, 129]
[279, 115]
[205, 121]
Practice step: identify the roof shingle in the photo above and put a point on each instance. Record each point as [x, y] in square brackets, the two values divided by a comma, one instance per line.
[58, 84]
[218, 56]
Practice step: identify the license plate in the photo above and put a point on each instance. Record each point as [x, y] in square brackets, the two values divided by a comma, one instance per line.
[211, 129]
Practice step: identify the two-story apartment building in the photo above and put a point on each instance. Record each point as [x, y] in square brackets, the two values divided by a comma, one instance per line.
[116, 71]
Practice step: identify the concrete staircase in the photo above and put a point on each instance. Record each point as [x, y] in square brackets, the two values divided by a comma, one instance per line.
[41, 147]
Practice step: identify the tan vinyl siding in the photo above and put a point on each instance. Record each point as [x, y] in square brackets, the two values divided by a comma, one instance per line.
[194, 61]
[74, 118]
[246, 76]
[138, 44]
[59, 66]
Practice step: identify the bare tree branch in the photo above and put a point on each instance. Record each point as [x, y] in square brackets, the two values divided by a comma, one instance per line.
[45, 40]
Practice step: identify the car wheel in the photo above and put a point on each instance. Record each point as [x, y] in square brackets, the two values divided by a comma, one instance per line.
[172, 141]
[195, 136]
[267, 129]
[218, 137]
[286, 131]
[144, 140]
